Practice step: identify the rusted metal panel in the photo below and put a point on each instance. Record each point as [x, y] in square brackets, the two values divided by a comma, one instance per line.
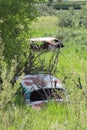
[40, 83]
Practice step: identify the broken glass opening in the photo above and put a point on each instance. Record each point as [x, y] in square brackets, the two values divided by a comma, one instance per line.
[46, 94]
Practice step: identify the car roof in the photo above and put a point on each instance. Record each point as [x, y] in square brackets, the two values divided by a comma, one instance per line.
[43, 39]
[36, 82]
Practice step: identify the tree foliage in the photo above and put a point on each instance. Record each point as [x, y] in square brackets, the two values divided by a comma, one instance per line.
[51, 1]
[67, 18]
[83, 16]
[16, 17]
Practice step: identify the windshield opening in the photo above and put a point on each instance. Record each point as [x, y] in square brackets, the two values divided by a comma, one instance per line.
[46, 94]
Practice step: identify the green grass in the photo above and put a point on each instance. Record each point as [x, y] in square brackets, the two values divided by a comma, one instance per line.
[46, 26]
[70, 116]
[72, 63]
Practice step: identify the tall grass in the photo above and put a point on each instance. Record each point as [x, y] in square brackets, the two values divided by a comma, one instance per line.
[71, 116]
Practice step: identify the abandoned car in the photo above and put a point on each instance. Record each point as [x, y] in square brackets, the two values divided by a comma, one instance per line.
[41, 88]
[48, 43]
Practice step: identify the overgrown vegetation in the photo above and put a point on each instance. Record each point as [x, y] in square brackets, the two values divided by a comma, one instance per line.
[16, 17]
[71, 69]
[66, 5]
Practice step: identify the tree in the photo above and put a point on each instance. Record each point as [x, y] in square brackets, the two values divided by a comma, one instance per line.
[16, 17]
[83, 16]
[66, 19]
[51, 1]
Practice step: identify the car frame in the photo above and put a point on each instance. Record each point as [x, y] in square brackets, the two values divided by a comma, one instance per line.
[42, 43]
[36, 87]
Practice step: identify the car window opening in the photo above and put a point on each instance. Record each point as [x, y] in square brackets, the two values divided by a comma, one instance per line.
[45, 94]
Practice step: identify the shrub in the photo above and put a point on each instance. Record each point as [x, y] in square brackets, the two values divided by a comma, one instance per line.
[7, 90]
[45, 10]
[66, 19]
[83, 16]
[67, 4]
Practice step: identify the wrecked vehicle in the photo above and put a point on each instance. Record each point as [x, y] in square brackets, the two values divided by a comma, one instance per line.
[41, 88]
[48, 43]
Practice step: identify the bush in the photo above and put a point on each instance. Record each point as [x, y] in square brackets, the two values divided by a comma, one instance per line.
[66, 19]
[68, 4]
[83, 16]
[7, 90]
[45, 10]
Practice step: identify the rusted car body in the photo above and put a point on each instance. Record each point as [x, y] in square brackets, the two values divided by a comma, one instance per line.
[40, 88]
[49, 43]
